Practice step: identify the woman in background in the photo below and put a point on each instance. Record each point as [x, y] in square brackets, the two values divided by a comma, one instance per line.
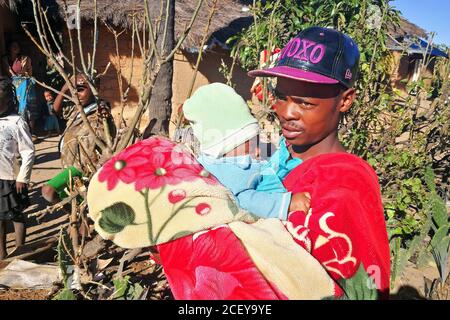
[19, 67]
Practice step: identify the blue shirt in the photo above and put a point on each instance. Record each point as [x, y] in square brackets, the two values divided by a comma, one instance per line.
[257, 185]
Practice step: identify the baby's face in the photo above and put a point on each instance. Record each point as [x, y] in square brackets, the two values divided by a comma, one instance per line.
[249, 147]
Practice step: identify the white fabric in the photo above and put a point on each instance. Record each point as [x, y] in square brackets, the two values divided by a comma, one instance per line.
[282, 261]
[233, 140]
[15, 138]
[21, 274]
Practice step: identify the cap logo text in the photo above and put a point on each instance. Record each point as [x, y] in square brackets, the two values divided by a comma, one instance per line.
[305, 50]
[348, 74]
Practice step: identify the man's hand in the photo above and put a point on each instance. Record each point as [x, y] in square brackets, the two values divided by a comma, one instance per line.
[300, 202]
[20, 186]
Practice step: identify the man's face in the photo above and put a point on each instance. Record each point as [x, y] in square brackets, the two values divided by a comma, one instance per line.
[308, 112]
[84, 91]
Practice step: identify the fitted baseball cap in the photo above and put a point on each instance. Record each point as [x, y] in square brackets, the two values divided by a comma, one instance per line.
[317, 55]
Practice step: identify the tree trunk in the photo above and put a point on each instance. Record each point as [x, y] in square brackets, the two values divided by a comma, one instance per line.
[160, 108]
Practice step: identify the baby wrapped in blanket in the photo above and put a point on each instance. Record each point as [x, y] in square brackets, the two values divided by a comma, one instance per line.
[156, 193]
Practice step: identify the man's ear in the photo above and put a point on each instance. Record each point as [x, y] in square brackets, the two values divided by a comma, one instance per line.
[348, 96]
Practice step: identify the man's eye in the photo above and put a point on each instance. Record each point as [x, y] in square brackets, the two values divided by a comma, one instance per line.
[306, 105]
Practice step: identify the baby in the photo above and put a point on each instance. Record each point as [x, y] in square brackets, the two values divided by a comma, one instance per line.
[228, 133]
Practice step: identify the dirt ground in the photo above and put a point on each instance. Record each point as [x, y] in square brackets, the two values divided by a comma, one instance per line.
[410, 285]
[46, 165]
[12, 294]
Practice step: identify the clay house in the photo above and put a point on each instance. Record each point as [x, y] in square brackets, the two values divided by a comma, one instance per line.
[231, 19]
[410, 48]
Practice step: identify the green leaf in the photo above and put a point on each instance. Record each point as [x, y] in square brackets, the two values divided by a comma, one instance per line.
[135, 292]
[63, 258]
[441, 254]
[116, 217]
[439, 210]
[440, 235]
[121, 286]
[359, 287]
[373, 162]
[429, 179]
[65, 294]
[233, 207]
[124, 290]
[390, 213]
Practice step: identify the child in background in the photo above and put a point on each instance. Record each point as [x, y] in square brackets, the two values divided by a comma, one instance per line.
[77, 140]
[51, 121]
[15, 138]
[57, 188]
[227, 132]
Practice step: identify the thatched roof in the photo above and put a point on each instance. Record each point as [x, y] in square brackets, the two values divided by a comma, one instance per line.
[11, 4]
[407, 28]
[229, 19]
[403, 36]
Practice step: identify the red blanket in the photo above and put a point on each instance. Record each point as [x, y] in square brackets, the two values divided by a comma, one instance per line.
[344, 229]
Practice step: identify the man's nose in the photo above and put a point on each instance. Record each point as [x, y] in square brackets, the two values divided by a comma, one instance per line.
[288, 111]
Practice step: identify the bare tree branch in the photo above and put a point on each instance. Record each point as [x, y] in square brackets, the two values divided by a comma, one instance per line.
[212, 12]
[185, 33]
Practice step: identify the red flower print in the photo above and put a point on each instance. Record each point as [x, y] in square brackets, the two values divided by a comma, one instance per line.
[177, 195]
[153, 163]
[195, 171]
[123, 167]
[180, 156]
[203, 209]
[206, 268]
[157, 173]
[163, 147]
[208, 177]
[158, 144]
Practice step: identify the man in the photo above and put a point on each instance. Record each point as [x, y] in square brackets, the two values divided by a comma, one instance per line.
[345, 228]
[336, 245]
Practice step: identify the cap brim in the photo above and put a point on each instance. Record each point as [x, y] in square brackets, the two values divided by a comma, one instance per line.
[293, 73]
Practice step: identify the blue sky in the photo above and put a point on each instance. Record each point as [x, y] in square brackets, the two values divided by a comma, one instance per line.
[431, 15]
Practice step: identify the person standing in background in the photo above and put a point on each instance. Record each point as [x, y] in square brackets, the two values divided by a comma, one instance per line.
[15, 139]
[19, 67]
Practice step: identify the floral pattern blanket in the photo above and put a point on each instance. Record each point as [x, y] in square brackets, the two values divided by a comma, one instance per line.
[156, 193]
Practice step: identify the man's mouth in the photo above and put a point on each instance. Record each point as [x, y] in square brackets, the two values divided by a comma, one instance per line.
[290, 132]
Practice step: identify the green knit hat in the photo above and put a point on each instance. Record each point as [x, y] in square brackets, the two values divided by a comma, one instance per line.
[220, 118]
